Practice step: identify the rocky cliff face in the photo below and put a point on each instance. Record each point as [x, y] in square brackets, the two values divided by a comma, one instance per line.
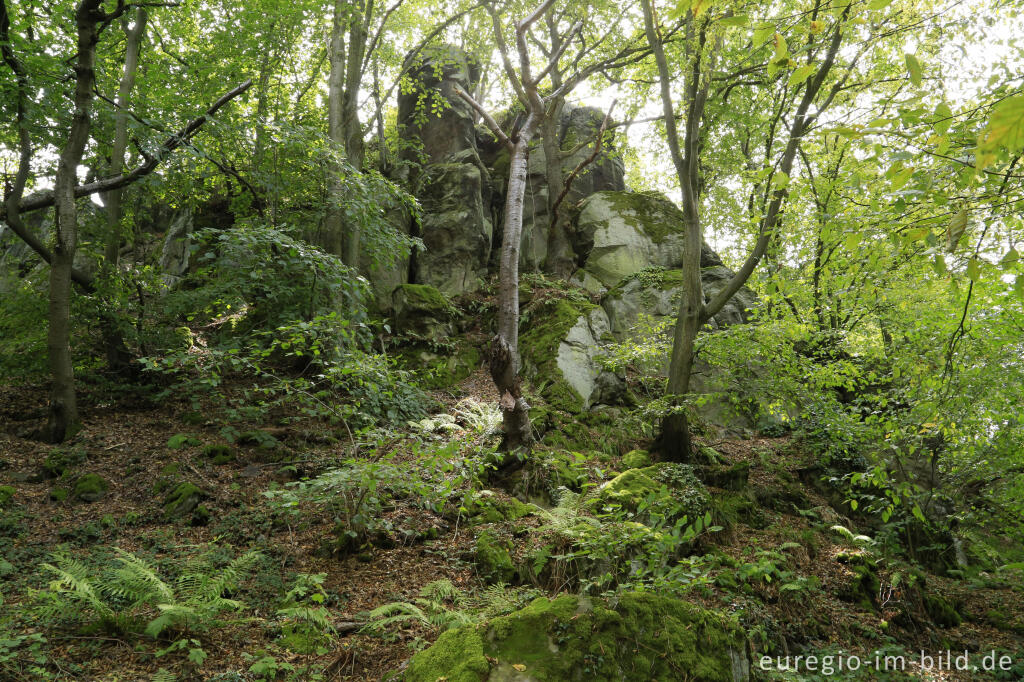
[625, 248]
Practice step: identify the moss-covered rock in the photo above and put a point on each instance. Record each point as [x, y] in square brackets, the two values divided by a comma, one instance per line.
[560, 346]
[486, 507]
[219, 453]
[731, 508]
[6, 495]
[441, 370]
[641, 637]
[493, 560]
[728, 477]
[60, 460]
[182, 501]
[861, 584]
[667, 489]
[636, 459]
[90, 487]
[941, 611]
[423, 311]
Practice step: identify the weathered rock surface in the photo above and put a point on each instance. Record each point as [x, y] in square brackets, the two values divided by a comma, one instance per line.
[642, 636]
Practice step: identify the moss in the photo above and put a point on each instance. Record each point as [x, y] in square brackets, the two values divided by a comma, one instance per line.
[59, 494]
[442, 370]
[545, 327]
[182, 501]
[492, 559]
[941, 611]
[644, 490]
[486, 508]
[6, 495]
[424, 298]
[171, 469]
[651, 212]
[636, 459]
[219, 454]
[58, 461]
[642, 637]
[456, 656]
[728, 477]
[90, 488]
[862, 584]
[730, 508]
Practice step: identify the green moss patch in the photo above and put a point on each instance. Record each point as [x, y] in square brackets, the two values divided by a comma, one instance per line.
[90, 487]
[6, 495]
[493, 559]
[183, 500]
[667, 489]
[641, 637]
[546, 325]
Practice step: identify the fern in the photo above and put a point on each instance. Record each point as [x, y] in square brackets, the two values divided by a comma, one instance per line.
[428, 610]
[133, 590]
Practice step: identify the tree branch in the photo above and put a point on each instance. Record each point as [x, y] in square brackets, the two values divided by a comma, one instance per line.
[488, 119]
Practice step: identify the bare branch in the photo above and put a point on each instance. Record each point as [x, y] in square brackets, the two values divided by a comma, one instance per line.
[582, 164]
[488, 119]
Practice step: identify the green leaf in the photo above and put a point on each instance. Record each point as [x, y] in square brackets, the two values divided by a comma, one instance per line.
[956, 229]
[781, 48]
[1010, 258]
[1018, 286]
[852, 241]
[918, 514]
[913, 68]
[1005, 129]
[974, 269]
[939, 265]
[801, 74]
[736, 20]
[879, 4]
[944, 118]
[762, 34]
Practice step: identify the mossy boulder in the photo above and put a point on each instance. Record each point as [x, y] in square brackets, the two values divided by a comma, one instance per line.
[183, 501]
[90, 488]
[486, 507]
[60, 460]
[219, 453]
[726, 476]
[636, 459]
[423, 311]
[731, 508]
[667, 489]
[560, 345]
[493, 560]
[642, 636]
[941, 611]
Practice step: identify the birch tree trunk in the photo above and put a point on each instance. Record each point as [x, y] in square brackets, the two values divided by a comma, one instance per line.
[63, 402]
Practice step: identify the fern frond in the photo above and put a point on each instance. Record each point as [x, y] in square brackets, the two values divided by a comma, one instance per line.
[137, 581]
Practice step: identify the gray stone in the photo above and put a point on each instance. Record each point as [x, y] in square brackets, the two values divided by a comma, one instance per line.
[577, 360]
[174, 257]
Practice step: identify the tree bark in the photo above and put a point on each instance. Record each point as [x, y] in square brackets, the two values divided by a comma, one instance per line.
[63, 401]
[504, 353]
[112, 199]
[332, 238]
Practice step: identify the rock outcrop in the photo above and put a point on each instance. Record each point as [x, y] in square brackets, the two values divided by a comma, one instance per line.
[641, 636]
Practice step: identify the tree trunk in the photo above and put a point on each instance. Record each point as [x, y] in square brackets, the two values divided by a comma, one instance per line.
[63, 402]
[504, 354]
[560, 259]
[112, 199]
[332, 237]
[351, 126]
[117, 353]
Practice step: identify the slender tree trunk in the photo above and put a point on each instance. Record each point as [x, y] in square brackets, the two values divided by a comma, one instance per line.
[674, 440]
[360, 11]
[63, 401]
[117, 353]
[333, 231]
[559, 260]
[112, 199]
[504, 354]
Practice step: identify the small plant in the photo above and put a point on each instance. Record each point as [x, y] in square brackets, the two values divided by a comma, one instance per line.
[437, 607]
[306, 627]
[131, 593]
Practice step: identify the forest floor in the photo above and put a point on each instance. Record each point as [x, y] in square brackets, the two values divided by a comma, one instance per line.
[130, 447]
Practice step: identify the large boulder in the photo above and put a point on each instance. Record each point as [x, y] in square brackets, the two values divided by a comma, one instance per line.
[639, 636]
[621, 233]
[455, 228]
[560, 344]
[656, 292]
